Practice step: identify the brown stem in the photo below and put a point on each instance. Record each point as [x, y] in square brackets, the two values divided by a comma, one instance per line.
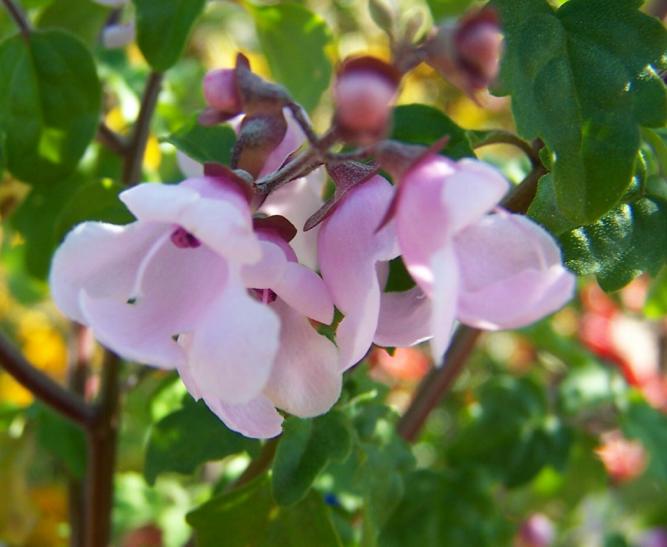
[41, 385]
[135, 153]
[111, 140]
[19, 18]
[257, 466]
[500, 136]
[440, 380]
[81, 348]
[101, 438]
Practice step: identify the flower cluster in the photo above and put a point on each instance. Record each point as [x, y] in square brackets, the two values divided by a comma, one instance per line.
[218, 276]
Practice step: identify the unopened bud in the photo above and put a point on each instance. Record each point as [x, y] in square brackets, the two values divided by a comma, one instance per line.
[365, 92]
[468, 53]
[220, 91]
[536, 531]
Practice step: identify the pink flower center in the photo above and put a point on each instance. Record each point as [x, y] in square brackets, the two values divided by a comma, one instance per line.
[265, 296]
[184, 239]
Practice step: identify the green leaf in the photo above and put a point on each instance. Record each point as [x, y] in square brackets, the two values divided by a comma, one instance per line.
[588, 387]
[36, 219]
[422, 124]
[163, 27]
[305, 449]
[49, 104]
[511, 432]
[447, 8]
[399, 279]
[294, 41]
[655, 306]
[66, 441]
[205, 144]
[454, 508]
[627, 241]
[80, 17]
[183, 440]
[544, 208]
[582, 78]
[643, 422]
[95, 201]
[248, 516]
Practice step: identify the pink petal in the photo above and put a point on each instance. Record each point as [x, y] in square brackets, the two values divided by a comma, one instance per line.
[294, 137]
[404, 319]
[297, 201]
[100, 258]
[444, 306]
[349, 249]
[256, 418]
[222, 224]
[269, 270]
[306, 379]
[305, 291]
[511, 271]
[233, 347]
[171, 296]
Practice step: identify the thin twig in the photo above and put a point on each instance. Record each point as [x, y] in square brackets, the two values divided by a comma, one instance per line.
[112, 140]
[500, 136]
[137, 146]
[19, 18]
[257, 466]
[435, 386]
[42, 386]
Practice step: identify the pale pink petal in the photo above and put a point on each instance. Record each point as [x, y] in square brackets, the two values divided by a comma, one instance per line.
[511, 273]
[305, 291]
[404, 319]
[269, 270]
[444, 306]
[233, 347]
[349, 249]
[170, 297]
[257, 418]
[100, 258]
[188, 166]
[222, 224]
[472, 191]
[306, 379]
[294, 137]
[297, 201]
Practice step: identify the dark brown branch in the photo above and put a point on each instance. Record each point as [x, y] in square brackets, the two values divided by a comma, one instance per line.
[440, 380]
[19, 18]
[41, 385]
[112, 140]
[257, 466]
[500, 136]
[101, 438]
[137, 145]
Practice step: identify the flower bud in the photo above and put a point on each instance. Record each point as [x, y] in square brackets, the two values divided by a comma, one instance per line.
[364, 94]
[220, 91]
[536, 531]
[467, 53]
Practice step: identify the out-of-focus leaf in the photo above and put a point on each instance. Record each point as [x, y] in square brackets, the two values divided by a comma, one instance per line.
[656, 302]
[627, 241]
[643, 422]
[163, 27]
[305, 448]
[289, 32]
[399, 279]
[447, 8]
[37, 219]
[511, 433]
[382, 14]
[205, 144]
[248, 516]
[183, 440]
[49, 104]
[62, 438]
[81, 17]
[582, 78]
[588, 387]
[544, 209]
[422, 124]
[454, 509]
[95, 201]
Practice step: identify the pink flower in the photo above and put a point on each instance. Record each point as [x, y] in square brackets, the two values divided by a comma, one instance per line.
[536, 531]
[192, 285]
[491, 271]
[221, 92]
[353, 258]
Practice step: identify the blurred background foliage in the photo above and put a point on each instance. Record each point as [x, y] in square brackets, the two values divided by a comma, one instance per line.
[562, 424]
